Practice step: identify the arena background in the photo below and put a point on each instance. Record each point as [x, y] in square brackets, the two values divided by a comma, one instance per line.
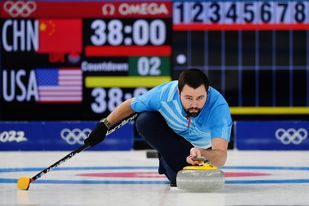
[64, 67]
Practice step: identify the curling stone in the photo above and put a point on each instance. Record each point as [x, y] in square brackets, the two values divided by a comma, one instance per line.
[202, 178]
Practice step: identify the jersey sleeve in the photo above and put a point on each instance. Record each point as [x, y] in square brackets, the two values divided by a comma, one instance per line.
[221, 122]
[150, 101]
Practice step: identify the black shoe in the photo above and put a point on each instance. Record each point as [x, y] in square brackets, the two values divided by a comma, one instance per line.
[173, 184]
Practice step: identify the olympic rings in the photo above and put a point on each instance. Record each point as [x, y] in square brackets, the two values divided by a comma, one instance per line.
[19, 8]
[291, 135]
[75, 136]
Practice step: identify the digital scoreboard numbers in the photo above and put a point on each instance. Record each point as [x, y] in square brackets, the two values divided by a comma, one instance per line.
[256, 53]
[126, 54]
[243, 13]
[60, 65]
[83, 63]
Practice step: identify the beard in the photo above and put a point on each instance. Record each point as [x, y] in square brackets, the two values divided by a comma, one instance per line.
[191, 113]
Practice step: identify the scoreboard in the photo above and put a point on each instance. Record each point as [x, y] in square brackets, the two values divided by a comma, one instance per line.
[256, 53]
[78, 60]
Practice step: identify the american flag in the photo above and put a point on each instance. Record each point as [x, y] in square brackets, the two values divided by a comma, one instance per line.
[59, 85]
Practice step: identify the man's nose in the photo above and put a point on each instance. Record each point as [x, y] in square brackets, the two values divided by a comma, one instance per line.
[194, 103]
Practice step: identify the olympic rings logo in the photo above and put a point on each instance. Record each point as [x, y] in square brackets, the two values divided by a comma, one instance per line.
[75, 136]
[291, 135]
[19, 8]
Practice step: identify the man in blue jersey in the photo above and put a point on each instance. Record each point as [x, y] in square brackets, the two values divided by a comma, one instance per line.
[180, 119]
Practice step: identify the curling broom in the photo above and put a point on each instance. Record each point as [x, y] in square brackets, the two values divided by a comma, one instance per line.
[23, 183]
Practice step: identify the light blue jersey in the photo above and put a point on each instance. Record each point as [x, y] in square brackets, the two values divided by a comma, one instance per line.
[213, 121]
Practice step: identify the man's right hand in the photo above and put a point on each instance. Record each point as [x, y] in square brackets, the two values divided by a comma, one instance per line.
[194, 153]
[97, 135]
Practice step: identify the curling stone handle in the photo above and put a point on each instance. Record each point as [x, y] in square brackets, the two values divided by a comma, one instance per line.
[200, 159]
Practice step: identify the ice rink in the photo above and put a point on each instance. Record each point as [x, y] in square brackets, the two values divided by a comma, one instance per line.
[129, 178]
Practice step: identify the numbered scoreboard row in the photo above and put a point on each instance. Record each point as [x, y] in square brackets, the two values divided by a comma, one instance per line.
[241, 12]
[88, 103]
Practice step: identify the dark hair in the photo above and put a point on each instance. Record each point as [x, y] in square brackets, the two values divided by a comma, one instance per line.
[193, 78]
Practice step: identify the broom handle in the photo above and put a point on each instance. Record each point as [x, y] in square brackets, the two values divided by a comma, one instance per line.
[81, 148]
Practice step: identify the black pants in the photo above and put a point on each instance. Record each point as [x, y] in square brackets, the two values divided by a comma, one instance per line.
[173, 149]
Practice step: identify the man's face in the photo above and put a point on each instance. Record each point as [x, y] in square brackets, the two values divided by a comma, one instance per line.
[193, 100]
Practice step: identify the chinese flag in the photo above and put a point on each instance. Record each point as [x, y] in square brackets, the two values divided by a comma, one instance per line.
[60, 36]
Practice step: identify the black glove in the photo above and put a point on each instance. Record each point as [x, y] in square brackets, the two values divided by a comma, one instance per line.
[97, 135]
